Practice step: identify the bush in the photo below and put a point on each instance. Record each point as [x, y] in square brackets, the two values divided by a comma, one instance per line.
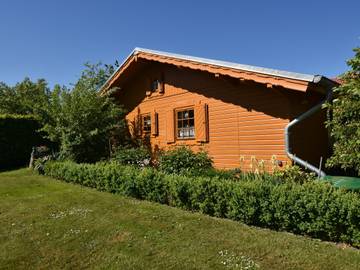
[313, 208]
[294, 174]
[18, 134]
[41, 155]
[139, 156]
[39, 163]
[184, 161]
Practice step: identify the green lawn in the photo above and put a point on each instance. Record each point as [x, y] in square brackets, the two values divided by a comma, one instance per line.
[47, 224]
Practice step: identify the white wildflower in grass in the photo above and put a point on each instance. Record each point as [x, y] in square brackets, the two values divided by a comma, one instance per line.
[92, 244]
[233, 261]
[74, 231]
[37, 196]
[57, 215]
[80, 212]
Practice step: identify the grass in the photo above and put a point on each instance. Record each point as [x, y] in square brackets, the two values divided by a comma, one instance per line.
[47, 224]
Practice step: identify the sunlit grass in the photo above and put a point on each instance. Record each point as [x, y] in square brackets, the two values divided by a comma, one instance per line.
[47, 224]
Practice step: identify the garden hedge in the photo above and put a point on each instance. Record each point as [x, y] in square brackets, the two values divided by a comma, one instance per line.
[18, 134]
[313, 208]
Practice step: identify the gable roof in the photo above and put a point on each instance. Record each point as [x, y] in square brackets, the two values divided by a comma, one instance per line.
[292, 80]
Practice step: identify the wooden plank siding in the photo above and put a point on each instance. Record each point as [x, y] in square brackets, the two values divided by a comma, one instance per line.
[245, 121]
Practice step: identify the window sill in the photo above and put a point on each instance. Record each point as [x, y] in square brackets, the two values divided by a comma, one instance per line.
[185, 139]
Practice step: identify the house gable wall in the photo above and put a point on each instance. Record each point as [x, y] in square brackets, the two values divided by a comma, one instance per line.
[246, 120]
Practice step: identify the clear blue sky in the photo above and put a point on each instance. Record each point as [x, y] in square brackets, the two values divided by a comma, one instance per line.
[52, 39]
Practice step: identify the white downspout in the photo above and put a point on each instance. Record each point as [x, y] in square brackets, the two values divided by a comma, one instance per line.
[294, 122]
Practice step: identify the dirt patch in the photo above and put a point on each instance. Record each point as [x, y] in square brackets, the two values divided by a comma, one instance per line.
[120, 237]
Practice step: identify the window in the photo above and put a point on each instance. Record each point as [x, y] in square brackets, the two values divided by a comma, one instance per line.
[185, 127]
[146, 124]
[155, 85]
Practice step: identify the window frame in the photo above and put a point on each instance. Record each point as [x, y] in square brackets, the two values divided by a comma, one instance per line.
[154, 89]
[189, 108]
[143, 131]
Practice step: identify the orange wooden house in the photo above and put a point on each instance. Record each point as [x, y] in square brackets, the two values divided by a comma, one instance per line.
[244, 116]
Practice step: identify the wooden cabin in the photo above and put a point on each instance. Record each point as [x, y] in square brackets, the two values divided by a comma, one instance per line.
[237, 113]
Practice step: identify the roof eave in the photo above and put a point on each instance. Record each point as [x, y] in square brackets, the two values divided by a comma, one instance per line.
[305, 78]
[105, 84]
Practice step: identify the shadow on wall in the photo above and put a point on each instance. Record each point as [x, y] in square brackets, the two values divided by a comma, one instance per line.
[134, 131]
[310, 138]
[251, 96]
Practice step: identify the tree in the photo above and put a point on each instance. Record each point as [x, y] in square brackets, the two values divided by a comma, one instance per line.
[81, 120]
[26, 97]
[345, 122]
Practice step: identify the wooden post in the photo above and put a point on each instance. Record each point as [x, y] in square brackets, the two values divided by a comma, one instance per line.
[32, 158]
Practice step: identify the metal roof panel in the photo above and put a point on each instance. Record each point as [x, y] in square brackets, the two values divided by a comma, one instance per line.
[262, 70]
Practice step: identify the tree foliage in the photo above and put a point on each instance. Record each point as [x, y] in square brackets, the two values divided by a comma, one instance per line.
[81, 120]
[345, 122]
[78, 119]
[26, 97]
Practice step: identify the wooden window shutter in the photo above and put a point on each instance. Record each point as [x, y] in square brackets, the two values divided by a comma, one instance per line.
[162, 84]
[154, 124]
[138, 125]
[201, 123]
[170, 132]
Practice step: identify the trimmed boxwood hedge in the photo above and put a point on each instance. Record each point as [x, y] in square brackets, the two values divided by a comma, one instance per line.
[315, 209]
[18, 134]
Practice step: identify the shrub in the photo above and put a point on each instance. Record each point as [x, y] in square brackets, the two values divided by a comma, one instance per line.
[220, 173]
[294, 174]
[313, 208]
[139, 156]
[183, 160]
[39, 163]
[41, 155]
